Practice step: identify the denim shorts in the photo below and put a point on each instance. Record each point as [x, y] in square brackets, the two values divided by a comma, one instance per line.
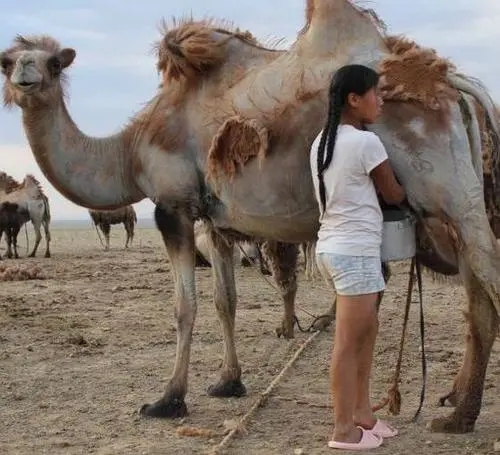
[352, 275]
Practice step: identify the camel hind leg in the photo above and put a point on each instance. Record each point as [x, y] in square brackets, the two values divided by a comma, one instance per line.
[222, 259]
[129, 229]
[177, 230]
[45, 224]
[467, 391]
[105, 228]
[38, 236]
[282, 260]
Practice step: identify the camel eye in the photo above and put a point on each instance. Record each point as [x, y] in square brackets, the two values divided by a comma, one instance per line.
[54, 66]
[5, 63]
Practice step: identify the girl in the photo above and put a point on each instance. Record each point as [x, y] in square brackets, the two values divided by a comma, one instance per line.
[349, 166]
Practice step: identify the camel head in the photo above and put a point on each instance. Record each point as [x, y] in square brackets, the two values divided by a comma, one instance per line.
[33, 68]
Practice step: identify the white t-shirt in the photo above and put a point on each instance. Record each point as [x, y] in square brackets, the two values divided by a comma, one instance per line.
[352, 222]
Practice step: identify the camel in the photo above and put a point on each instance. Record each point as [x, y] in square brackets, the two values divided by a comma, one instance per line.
[246, 253]
[105, 218]
[30, 198]
[226, 139]
[11, 220]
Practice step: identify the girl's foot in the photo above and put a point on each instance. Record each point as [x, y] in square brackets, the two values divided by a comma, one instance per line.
[366, 441]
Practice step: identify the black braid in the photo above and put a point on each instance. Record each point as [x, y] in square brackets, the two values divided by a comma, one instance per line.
[327, 142]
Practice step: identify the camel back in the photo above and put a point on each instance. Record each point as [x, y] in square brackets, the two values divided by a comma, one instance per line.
[409, 73]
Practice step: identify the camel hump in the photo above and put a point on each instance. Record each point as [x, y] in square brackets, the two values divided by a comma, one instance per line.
[192, 48]
[188, 50]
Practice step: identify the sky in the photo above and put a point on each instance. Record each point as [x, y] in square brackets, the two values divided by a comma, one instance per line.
[114, 70]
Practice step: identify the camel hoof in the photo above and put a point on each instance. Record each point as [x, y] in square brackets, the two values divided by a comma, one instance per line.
[32, 255]
[265, 272]
[173, 408]
[322, 322]
[47, 255]
[448, 400]
[227, 389]
[286, 332]
[451, 424]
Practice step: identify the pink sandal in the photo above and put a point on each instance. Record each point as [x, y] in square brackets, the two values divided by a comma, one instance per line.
[383, 429]
[368, 441]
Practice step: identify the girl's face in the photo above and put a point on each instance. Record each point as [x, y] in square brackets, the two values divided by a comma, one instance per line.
[368, 107]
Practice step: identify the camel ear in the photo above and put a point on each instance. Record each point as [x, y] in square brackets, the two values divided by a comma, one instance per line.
[237, 141]
[66, 56]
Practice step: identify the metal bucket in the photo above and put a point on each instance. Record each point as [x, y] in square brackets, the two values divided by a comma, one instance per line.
[398, 236]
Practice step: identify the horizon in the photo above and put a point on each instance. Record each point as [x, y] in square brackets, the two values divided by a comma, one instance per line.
[114, 70]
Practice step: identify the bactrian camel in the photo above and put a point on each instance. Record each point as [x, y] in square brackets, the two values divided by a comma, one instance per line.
[105, 218]
[11, 220]
[226, 139]
[30, 198]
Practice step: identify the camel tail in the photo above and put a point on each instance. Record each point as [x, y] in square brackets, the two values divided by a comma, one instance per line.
[476, 89]
[187, 51]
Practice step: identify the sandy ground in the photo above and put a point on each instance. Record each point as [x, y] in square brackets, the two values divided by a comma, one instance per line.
[83, 349]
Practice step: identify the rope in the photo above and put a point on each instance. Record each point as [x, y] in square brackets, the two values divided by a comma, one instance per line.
[99, 235]
[262, 399]
[393, 398]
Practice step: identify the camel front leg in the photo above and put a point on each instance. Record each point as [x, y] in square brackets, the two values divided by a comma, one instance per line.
[8, 238]
[177, 230]
[282, 260]
[15, 233]
[38, 238]
[221, 257]
[468, 386]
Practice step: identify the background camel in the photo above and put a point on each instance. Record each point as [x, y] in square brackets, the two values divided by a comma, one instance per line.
[226, 139]
[30, 198]
[105, 218]
[11, 220]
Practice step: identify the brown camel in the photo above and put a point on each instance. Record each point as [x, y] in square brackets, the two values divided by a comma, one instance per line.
[105, 218]
[12, 218]
[227, 138]
[30, 198]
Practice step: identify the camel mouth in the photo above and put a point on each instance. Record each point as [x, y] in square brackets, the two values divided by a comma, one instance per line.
[26, 87]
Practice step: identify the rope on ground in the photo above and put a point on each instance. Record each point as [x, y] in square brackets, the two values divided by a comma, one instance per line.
[262, 399]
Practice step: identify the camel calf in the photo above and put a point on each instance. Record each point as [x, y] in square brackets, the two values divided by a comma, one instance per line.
[12, 218]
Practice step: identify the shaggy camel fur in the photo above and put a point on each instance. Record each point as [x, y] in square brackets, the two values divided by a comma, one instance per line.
[226, 140]
[105, 218]
[30, 198]
[11, 220]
